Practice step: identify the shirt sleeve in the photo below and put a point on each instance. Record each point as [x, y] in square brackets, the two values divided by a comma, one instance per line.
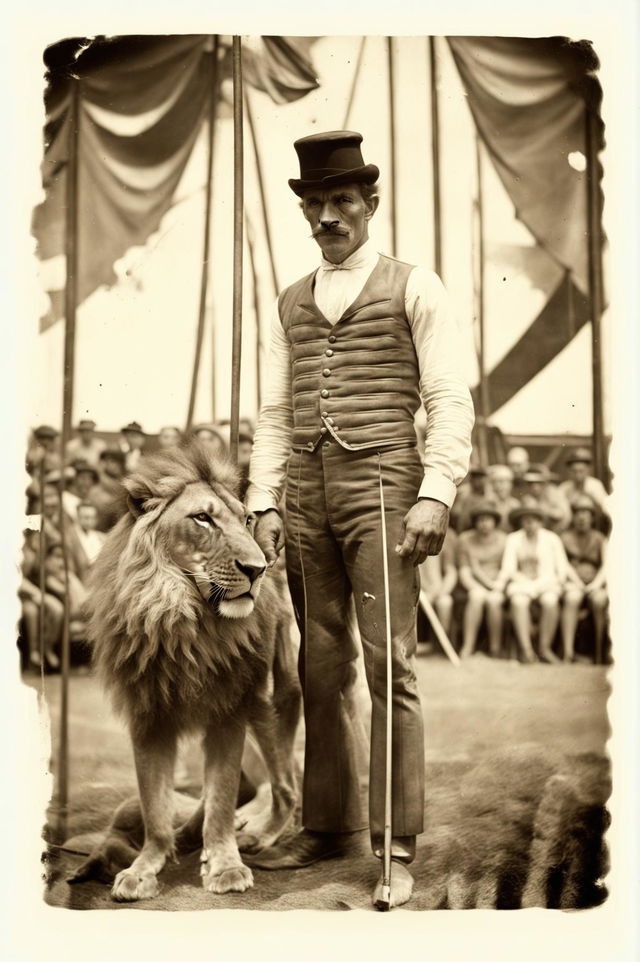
[443, 390]
[272, 440]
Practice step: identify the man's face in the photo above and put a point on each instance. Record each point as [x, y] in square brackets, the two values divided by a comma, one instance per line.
[339, 218]
[502, 486]
[86, 435]
[134, 439]
[476, 482]
[531, 523]
[83, 483]
[50, 502]
[87, 518]
[168, 437]
[112, 467]
[582, 519]
[485, 523]
[518, 461]
[578, 471]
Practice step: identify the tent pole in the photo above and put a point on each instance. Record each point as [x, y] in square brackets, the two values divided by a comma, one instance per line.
[354, 83]
[596, 287]
[484, 385]
[257, 312]
[392, 137]
[71, 300]
[204, 277]
[42, 553]
[435, 157]
[263, 193]
[238, 197]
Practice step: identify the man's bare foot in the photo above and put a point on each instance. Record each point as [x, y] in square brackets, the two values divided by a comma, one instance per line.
[401, 887]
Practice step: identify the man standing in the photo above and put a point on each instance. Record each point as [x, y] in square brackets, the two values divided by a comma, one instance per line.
[354, 348]
[86, 446]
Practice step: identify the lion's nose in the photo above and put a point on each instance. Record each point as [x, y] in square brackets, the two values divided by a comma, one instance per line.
[251, 571]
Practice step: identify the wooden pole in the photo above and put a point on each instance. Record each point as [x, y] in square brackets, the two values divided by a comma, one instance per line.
[354, 83]
[484, 386]
[596, 287]
[71, 300]
[204, 277]
[392, 137]
[435, 157]
[42, 553]
[238, 207]
[262, 191]
[257, 312]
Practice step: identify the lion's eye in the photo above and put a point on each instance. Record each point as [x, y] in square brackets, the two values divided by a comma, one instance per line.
[249, 520]
[202, 518]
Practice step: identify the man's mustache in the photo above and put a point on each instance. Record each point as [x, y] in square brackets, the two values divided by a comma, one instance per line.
[341, 231]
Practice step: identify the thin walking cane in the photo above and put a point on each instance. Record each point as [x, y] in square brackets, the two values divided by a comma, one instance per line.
[383, 903]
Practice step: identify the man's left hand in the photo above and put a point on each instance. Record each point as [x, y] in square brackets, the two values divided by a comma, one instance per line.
[423, 529]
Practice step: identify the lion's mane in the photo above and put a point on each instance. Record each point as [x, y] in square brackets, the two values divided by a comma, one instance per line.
[164, 654]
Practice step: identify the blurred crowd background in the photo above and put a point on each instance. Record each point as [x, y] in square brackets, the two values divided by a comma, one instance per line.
[522, 574]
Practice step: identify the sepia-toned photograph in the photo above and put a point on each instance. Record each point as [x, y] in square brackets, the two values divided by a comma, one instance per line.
[318, 491]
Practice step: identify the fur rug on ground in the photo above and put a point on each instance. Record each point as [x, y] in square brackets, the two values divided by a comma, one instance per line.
[517, 829]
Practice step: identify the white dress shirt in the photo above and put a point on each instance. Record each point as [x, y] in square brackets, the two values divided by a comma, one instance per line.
[443, 390]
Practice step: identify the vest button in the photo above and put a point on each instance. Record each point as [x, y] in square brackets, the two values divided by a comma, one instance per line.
[326, 372]
[329, 352]
[323, 430]
[324, 393]
[332, 339]
[310, 445]
[325, 414]
[329, 420]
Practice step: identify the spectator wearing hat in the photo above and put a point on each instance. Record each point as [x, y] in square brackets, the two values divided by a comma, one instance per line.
[479, 556]
[107, 494]
[44, 450]
[36, 606]
[214, 436]
[534, 568]
[468, 500]
[132, 443]
[89, 539]
[501, 485]
[586, 584]
[169, 436]
[86, 446]
[581, 482]
[438, 578]
[518, 460]
[550, 499]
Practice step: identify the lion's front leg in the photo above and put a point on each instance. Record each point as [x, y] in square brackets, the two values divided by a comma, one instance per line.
[155, 761]
[222, 868]
[262, 825]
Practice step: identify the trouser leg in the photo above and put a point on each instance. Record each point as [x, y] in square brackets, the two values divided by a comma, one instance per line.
[334, 780]
[354, 505]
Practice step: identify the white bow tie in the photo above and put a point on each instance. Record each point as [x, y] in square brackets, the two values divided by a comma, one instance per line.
[328, 266]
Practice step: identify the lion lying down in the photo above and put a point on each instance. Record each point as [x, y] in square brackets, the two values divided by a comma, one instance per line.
[191, 633]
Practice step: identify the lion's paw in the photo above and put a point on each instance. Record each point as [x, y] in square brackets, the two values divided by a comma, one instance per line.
[130, 886]
[236, 878]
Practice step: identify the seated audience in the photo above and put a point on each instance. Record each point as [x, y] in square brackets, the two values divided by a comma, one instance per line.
[55, 582]
[501, 484]
[438, 578]
[44, 449]
[169, 437]
[550, 499]
[580, 482]
[214, 436]
[479, 553]
[89, 540]
[586, 582]
[534, 568]
[472, 494]
[132, 444]
[36, 605]
[86, 446]
[108, 493]
[518, 461]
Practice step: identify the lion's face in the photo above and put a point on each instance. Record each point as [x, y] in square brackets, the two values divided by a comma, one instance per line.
[205, 531]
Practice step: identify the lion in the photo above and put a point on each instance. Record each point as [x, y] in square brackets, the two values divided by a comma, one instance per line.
[190, 632]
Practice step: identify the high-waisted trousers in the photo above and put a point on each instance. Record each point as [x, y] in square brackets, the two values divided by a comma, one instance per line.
[334, 553]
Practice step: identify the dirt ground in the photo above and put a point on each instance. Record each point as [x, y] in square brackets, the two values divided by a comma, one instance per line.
[517, 780]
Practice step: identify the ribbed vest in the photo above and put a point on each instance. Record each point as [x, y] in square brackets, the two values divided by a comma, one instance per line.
[356, 379]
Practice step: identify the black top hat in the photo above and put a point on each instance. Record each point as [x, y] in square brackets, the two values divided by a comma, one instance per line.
[331, 158]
